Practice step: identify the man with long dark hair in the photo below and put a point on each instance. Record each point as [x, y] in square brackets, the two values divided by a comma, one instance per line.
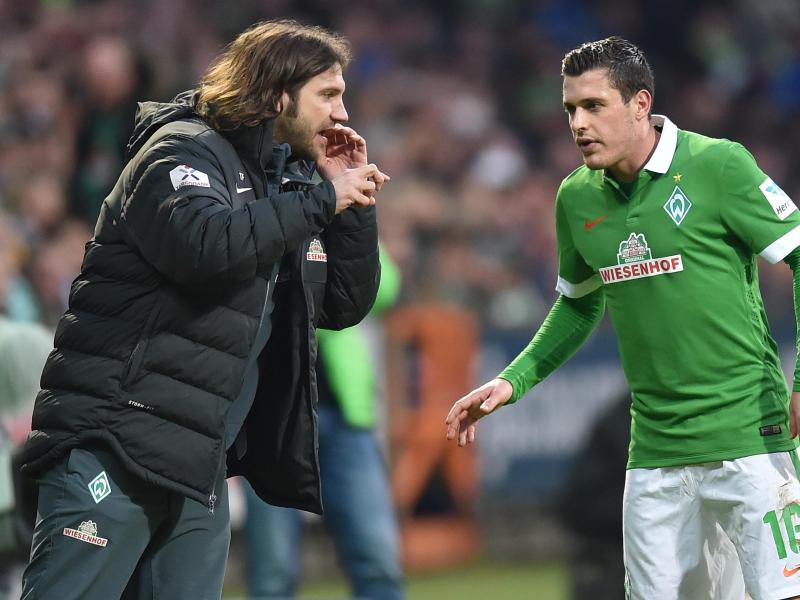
[189, 336]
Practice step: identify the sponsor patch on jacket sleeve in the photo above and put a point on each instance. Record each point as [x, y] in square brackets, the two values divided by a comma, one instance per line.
[184, 175]
[780, 202]
[316, 252]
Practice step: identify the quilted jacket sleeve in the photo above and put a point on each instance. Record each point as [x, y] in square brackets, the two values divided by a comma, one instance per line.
[353, 268]
[177, 212]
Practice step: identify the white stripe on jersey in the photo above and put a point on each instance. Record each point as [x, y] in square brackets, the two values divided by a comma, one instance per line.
[778, 249]
[578, 290]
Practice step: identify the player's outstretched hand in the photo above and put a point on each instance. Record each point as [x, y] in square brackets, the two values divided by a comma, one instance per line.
[794, 414]
[463, 418]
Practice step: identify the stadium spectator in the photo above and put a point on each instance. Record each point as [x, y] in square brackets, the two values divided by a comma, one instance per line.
[589, 506]
[23, 350]
[110, 87]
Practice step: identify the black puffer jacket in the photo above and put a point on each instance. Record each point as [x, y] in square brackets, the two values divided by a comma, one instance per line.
[153, 347]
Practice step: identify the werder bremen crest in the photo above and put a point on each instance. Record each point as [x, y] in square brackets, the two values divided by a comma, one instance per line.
[634, 249]
[99, 487]
[677, 205]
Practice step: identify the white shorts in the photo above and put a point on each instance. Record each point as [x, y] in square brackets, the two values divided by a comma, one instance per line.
[708, 531]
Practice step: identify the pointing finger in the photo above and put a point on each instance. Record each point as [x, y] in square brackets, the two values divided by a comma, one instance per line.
[379, 181]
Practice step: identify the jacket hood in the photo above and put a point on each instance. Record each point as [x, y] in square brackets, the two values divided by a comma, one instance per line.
[150, 116]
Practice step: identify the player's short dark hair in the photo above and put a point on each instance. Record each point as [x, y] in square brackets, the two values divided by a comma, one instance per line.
[628, 69]
[246, 82]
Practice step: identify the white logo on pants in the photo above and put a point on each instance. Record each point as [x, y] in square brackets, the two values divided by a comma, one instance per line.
[99, 487]
[86, 532]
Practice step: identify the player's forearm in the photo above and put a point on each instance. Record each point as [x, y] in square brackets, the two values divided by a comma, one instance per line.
[793, 260]
[566, 327]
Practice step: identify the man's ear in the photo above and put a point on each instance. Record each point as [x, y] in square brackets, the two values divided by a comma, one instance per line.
[643, 103]
[282, 103]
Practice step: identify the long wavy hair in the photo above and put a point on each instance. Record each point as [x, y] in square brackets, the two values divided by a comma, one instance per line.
[245, 83]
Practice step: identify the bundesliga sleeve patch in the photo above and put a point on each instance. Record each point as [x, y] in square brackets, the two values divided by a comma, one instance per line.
[184, 175]
[777, 198]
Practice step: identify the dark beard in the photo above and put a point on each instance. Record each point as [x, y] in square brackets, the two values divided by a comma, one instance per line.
[295, 132]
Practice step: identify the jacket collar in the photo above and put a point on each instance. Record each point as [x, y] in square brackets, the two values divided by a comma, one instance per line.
[256, 144]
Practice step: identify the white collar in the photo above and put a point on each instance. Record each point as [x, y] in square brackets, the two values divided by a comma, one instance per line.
[665, 150]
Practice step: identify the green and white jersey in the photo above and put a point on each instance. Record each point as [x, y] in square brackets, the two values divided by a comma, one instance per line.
[677, 262]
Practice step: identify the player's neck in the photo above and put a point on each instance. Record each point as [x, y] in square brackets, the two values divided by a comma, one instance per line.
[627, 170]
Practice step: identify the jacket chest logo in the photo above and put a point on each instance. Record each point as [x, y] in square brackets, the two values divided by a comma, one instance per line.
[239, 188]
[316, 252]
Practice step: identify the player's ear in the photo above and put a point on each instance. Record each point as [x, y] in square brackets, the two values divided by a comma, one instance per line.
[642, 104]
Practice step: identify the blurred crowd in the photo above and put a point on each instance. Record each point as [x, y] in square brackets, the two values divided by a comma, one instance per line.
[458, 99]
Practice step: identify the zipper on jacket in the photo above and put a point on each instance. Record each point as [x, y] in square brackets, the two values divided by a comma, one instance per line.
[212, 498]
[137, 356]
[271, 282]
[311, 366]
[132, 366]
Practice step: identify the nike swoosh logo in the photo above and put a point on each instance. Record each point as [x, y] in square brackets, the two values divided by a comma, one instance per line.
[790, 572]
[588, 226]
[242, 190]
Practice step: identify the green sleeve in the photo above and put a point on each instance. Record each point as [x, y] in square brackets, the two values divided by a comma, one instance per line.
[566, 327]
[793, 260]
[575, 277]
[755, 208]
[389, 287]
[347, 360]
